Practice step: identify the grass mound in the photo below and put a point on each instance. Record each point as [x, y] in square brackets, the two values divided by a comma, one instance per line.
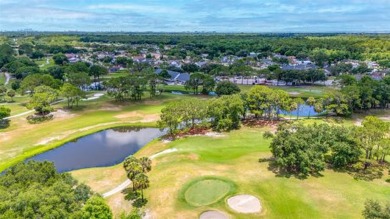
[207, 191]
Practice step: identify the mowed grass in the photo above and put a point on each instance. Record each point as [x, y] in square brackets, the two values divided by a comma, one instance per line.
[206, 191]
[235, 157]
[18, 105]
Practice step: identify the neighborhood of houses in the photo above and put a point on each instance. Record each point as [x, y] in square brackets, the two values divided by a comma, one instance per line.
[152, 55]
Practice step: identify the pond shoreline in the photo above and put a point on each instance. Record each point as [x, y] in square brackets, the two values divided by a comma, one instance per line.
[50, 146]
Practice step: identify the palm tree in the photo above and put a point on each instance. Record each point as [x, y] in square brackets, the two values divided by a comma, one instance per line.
[127, 162]
[133, 168]
[141, 181]
[146, 164]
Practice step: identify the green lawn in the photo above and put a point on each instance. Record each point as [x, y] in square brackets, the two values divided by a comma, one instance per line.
[234, 157]
[43, 65]
[206, 191]
[2, 78]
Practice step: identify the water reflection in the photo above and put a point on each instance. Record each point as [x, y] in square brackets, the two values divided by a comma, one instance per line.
[105, 148]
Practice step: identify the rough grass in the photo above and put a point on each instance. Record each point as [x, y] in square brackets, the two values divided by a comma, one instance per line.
[206, 191]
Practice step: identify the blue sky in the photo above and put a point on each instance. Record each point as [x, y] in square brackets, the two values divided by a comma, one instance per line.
[197, 15]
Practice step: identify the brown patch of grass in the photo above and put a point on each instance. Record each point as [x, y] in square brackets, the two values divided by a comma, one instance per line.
[101, 179]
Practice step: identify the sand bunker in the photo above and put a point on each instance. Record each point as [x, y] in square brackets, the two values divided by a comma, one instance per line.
[245, 204]
[213, 215]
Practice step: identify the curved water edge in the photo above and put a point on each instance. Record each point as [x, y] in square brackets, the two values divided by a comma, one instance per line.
[29, 153]
[101, 149]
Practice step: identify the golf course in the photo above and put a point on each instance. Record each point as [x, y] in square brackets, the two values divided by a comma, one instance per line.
[198, 176]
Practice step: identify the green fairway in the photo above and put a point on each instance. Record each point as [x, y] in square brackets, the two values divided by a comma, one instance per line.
[177, 189]
[206, 191]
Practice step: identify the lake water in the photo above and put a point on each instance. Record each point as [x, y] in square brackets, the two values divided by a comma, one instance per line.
[304, 110]
[101, 149]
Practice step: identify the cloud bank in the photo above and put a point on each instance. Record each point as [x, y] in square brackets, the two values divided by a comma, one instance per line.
[197, 15]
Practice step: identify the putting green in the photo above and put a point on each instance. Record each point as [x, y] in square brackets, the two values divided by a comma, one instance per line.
[207, 191]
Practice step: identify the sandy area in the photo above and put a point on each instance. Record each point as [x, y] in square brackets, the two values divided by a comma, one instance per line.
[245, 204]
[213, 215]
[62, 114]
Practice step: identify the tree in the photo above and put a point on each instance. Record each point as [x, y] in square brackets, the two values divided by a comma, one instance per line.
[227, 88]
[32, 81]
[370, 136]
[141, 182]
[319, 56]
[4, 112]
[196, 79]
[60, 59]
[225, 112]
[146, 164]
[337, 103]
[299, 101]
[36, 190]
[318, 106]
[310, 102]
[374, 210]
[11, 93]
[263, 101]
[42, 98]
[77, 67]
[78, 79]
[314, 75]
[133, 168]
[301, 149]
[3, 92]
[72, 93]
[96, 71]
[96, 208]
[164, 74]
[208, 84]
[169, 118]
[57, 72]
[190, 67]
[346, 80]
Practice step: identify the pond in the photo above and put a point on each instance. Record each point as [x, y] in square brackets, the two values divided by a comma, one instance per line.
[304, 110]
[101, 149]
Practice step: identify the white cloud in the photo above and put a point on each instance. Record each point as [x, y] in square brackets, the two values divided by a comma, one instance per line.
[138, 8]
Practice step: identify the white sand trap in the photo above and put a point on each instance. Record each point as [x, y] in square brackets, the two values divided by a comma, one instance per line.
[245, 204]
[213, 215]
